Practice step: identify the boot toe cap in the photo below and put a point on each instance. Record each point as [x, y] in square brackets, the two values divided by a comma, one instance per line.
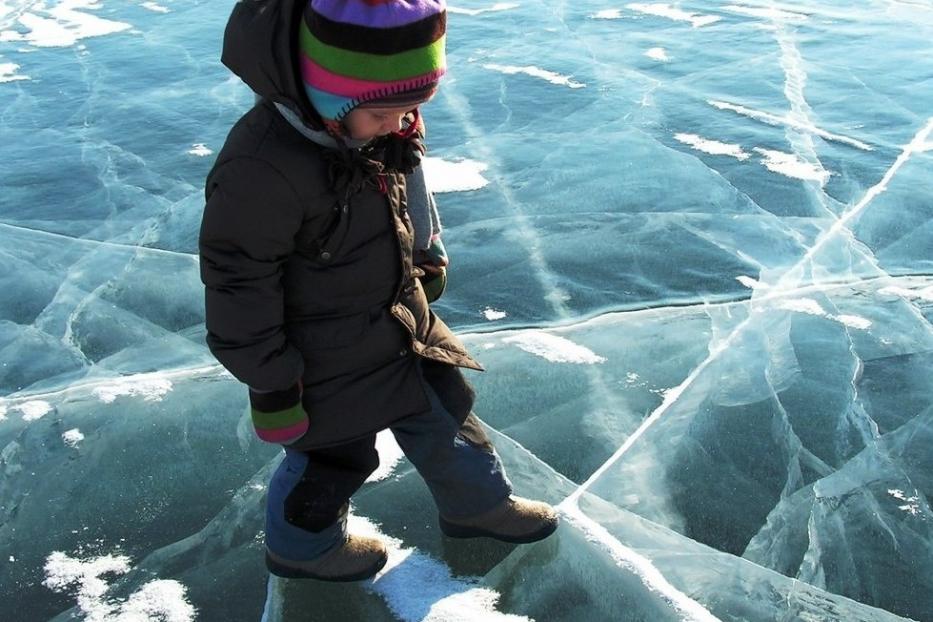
[356, 559]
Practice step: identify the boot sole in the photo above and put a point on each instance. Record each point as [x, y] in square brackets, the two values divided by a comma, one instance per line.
[287, 572]
[452, 530]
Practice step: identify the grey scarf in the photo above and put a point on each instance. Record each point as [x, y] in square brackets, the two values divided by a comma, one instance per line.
[421, 206]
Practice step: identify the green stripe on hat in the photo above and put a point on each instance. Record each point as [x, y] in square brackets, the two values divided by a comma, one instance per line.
[384, 68]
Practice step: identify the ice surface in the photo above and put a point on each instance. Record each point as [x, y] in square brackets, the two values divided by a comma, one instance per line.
[499, 6]
[670, 12]
[691, 242]
[536, 72]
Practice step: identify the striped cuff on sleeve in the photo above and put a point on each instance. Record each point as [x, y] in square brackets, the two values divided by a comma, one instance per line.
[278, 416]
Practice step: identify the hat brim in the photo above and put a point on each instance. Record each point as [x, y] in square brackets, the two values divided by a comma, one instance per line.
[406, 99]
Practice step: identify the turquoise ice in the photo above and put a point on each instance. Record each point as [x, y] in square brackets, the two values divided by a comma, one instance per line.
[691, 242]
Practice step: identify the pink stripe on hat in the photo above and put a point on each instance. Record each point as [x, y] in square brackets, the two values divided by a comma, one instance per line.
[320, 78]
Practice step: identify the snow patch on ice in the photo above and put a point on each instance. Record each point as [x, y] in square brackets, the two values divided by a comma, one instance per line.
[911, 508]
[607, 14]
[161, 599]
[389, 456]
[803, 305]
[771, 13]
[418, 587]
[454, 176]
[554, 348]
[200, 149]
[2, 412]
[853, 321]
[812, 307]
[156, 600]
[72, 437]
[790, 165]
[493, 314]
[749, 282]
[155, 7]
[500, 6]
[8, 73]
[152, 387]
[658, 54]
[665, 10]
[62, 25]
[925, 294]
[536, 72]
[712, 146]
[63, 571]
[912, 505]
[34, 409]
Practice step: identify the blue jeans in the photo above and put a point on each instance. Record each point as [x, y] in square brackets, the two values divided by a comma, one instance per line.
[309, 493]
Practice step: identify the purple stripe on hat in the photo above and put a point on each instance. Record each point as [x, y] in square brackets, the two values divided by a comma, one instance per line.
[385, 15]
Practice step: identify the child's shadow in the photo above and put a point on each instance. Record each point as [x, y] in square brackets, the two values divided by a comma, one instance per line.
[410, 515]
[474, 557]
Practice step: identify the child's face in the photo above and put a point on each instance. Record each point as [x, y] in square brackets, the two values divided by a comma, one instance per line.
[368, 123]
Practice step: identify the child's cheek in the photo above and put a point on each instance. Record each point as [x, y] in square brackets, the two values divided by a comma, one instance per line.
[363, 131]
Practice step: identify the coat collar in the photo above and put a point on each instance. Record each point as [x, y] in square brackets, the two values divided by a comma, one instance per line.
[321, 137]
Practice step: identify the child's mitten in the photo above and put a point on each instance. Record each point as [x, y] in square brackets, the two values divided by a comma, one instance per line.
[278, 416]
[433, 262]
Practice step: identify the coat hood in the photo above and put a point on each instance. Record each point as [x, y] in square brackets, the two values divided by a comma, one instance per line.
[261, 47]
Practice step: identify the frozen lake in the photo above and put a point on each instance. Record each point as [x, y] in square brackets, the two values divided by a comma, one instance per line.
[691, 242]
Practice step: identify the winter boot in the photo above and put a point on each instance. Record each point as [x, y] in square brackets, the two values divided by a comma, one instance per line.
[514, 520]
[357, 558]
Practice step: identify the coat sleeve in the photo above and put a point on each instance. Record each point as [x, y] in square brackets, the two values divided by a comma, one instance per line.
[247, 234]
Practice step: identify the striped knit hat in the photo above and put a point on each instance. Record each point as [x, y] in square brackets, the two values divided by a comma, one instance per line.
[368, 53]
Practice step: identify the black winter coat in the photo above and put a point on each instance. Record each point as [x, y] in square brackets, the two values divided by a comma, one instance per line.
[306, 258]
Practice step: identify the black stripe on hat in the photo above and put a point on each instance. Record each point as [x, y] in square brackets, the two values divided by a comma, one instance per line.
[383, 41]
[413, 97]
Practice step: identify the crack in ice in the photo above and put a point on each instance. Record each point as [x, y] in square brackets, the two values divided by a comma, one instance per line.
[570, 505]
[129, 248]
[675, 393]
[776, 120]
[105, 386]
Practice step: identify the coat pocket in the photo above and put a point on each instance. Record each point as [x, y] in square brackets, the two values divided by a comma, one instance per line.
[329, 333]
[320, 240]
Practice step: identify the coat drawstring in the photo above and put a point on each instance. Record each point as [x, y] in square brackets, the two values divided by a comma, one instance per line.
[412, 127]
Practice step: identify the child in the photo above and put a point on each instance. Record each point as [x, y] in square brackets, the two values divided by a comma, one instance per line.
[314, 298]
